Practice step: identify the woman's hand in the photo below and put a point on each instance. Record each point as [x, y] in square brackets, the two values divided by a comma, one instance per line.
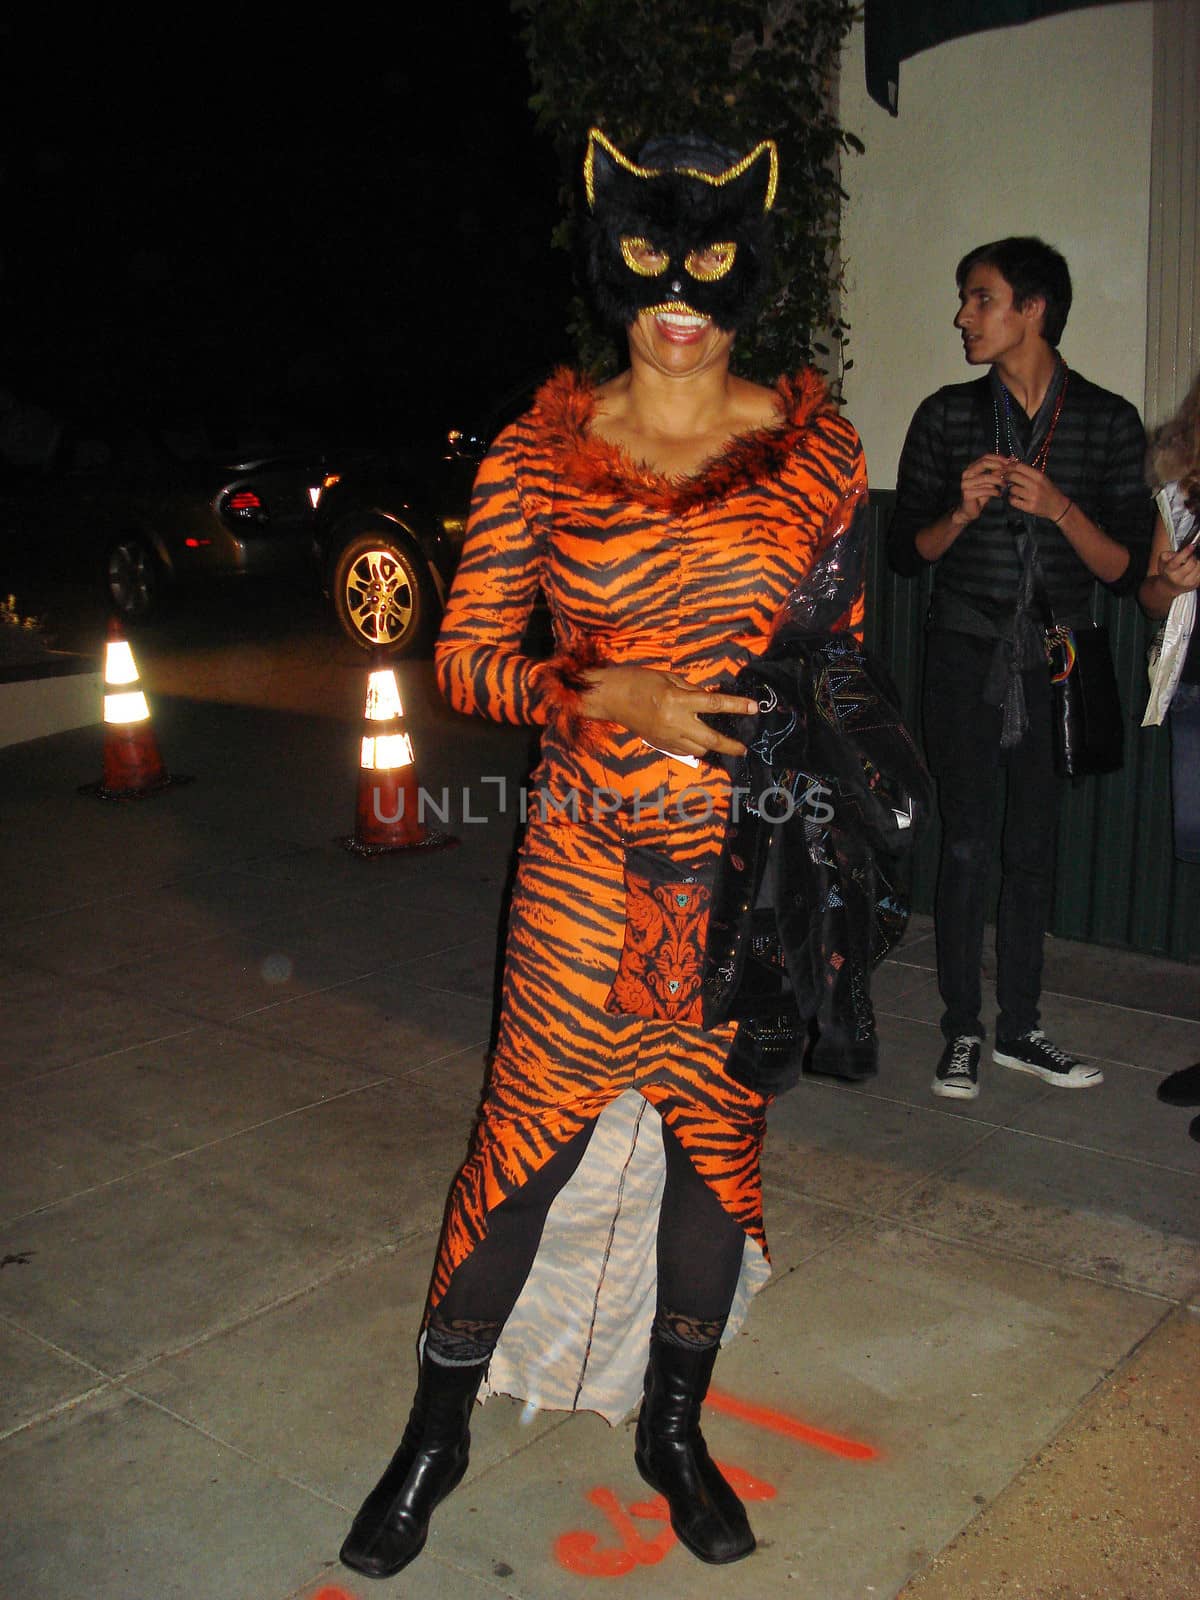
[663, 708]
[1180, 569]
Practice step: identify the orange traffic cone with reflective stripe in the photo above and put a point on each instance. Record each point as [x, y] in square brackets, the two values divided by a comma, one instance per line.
[133, 767]
[388, 815]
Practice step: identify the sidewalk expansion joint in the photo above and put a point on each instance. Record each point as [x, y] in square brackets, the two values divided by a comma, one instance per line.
[60, 1408]
[195, 1150]
[1008, 1253]
[343, 1267]
[228, 1444]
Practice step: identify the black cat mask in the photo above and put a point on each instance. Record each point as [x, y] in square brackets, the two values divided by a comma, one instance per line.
[684, 230]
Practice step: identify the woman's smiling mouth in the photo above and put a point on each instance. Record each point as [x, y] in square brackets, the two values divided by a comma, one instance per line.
[681, 327]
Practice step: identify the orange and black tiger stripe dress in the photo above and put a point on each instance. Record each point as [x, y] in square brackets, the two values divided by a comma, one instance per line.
[676, 575]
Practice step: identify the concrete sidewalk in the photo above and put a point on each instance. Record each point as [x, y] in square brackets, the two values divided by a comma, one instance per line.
[239, 1066]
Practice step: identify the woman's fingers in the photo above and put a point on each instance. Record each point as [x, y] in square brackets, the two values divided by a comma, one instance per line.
[686, 726]
[665, 709]
[1181, 569]
[720, 745]
[735, 705]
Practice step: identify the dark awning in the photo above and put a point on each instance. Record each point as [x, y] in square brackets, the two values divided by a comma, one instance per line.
[898, 29]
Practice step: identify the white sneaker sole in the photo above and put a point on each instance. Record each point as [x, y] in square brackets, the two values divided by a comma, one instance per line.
[956, 1091]
[1079, 1077]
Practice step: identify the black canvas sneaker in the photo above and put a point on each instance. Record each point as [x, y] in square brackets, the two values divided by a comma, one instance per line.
[957, 1075]
[1033, 1052]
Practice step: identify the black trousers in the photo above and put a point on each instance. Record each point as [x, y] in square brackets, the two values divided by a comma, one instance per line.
[962, 736]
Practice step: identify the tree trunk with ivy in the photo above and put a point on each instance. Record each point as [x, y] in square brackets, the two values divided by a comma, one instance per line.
[737, 72]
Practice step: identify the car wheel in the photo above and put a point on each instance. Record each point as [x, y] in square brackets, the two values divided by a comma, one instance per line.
[134, 579]
[382, 593]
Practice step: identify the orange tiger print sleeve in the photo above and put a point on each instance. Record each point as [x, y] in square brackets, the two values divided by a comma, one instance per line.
[480, 666]
[822, 484]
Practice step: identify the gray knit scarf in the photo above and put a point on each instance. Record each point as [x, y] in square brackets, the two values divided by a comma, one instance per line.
[1022, 645]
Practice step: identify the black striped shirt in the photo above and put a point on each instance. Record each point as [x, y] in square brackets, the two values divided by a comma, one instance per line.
[1096, 458]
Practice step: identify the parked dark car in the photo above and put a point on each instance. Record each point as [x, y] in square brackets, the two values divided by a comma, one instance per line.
[139, 512]
[142, 510]
[389, 531]
[390, 528]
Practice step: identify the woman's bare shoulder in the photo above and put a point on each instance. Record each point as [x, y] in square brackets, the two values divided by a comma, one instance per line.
[753, 405]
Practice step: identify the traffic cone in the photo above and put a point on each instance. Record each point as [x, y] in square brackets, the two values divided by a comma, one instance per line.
[388, 816]
[133, 767]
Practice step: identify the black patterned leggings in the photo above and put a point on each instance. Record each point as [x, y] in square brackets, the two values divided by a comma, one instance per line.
[699, 1258]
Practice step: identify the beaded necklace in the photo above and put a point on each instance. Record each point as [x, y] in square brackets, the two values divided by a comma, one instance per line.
[1037, 462]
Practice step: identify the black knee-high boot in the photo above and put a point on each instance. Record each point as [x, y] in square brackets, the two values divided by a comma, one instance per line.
[672, 1457]
[390, 1528]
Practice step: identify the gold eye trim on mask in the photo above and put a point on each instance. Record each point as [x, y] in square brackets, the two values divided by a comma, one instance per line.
[640, 256]
[712, 262]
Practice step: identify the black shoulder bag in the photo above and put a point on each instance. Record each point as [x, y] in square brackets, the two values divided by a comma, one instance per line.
[1085, 704]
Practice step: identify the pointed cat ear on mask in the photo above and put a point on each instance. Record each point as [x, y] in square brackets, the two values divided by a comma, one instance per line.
[754, 179]
[686, 200]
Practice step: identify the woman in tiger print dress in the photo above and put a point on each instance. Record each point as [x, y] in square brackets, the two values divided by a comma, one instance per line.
[612, 1184]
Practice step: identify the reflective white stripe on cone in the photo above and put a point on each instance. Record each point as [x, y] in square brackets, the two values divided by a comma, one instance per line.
[133, 766]
[388, 814]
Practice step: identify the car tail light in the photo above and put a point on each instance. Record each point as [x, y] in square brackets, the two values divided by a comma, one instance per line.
[245, 505]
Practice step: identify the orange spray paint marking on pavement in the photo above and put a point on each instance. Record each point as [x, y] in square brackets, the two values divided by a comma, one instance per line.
[582, 1553]
[333, 1594]
[790, 1427]
[745, 1485]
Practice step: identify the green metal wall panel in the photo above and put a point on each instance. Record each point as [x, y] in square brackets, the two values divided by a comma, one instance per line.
[1117, 882]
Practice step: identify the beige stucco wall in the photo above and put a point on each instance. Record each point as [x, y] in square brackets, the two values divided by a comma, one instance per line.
[1042, 128]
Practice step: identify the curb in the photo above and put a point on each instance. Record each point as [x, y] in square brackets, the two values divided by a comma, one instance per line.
[45, 697]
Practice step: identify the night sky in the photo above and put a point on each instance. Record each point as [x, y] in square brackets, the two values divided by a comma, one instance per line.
[345, 223]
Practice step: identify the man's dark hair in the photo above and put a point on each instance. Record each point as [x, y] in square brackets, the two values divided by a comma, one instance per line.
[1032, 269]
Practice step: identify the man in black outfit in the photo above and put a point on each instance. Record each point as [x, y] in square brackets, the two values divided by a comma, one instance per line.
[1027, 483]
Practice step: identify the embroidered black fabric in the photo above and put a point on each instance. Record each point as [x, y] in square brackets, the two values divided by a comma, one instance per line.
[666, 912]
[829, 797]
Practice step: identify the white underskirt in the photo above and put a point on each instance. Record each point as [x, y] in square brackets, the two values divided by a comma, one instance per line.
[577, 1337]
